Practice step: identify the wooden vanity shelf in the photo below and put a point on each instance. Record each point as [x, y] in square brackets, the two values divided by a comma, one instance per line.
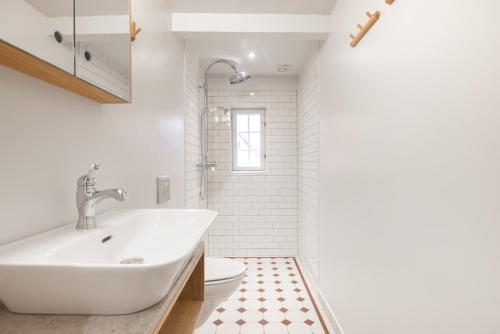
[183, 312]
[363, 30]
[389, 2]
[24, 62]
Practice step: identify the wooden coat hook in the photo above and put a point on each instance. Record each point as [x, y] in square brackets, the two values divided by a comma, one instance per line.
[134, 30]
[373, 18]
[389, 2]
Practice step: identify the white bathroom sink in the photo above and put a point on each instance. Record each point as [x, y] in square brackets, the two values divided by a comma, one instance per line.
[125, 265]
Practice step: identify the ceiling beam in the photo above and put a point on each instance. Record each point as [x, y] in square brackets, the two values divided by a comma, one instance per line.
[200, 25]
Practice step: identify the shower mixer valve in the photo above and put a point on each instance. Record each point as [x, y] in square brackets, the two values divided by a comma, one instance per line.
[208, 165]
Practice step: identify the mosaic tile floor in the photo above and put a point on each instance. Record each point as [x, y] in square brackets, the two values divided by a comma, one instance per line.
[272, 299]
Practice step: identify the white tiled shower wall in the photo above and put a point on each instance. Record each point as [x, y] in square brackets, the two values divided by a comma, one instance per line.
[308, 167]
[192, 132]
[262, 213]
[257, 210]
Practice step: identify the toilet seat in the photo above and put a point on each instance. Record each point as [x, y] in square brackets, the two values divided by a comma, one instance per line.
[221, 271]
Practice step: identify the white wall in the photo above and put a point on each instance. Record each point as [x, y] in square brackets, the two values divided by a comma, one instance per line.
[49, 137]
[409, 168]
[257, 210]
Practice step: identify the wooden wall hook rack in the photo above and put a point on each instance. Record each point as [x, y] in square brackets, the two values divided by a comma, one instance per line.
[373, 18]
[389, 2]
[134, 30]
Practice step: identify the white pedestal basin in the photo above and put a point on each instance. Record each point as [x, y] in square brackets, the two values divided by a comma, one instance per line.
[125, 265]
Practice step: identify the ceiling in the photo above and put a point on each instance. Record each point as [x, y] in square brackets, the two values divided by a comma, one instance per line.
[268, 54]
[254, 6]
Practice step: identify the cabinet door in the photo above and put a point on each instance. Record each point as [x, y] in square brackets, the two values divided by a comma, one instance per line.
[43, 28]
[102, 44]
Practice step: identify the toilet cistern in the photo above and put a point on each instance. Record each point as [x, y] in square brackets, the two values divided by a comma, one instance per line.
[87, 197]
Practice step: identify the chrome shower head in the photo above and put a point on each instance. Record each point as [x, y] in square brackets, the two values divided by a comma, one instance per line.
[239, 77]
[236, 78]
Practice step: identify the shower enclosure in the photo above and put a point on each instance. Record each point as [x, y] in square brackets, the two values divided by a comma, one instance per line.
[236, 78]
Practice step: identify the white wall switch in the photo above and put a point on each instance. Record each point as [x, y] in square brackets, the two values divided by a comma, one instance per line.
[163, 189]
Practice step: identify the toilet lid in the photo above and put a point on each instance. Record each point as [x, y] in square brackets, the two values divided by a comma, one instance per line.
[218, 269]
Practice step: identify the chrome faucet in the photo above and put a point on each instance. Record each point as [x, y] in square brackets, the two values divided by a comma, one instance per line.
[87, 197]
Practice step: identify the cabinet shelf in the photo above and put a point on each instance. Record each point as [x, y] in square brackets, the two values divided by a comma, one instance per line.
[26, 63]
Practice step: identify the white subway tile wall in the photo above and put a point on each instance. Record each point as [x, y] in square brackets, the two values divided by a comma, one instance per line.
[257, 210]
[101, 72]
[192, 130]
[308, 167]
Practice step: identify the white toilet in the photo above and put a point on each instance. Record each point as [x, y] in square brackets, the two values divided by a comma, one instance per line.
[222, 279]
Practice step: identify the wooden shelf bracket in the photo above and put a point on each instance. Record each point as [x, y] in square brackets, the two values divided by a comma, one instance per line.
[363, 30]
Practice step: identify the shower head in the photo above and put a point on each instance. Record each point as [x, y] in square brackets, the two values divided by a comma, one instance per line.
[239, 77]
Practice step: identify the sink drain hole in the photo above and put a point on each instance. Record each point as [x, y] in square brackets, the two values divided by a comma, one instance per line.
[133, 260]
[106, 239]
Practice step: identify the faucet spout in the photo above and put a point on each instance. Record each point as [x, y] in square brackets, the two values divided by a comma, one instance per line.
[87, 198]
[117, 194]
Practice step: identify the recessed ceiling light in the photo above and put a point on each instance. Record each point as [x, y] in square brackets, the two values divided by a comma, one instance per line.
[252, 55]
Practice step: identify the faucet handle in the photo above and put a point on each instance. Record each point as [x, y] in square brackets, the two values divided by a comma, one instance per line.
[93, 169]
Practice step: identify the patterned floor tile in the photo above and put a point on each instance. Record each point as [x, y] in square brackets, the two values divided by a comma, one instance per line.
[230, 316]
[272, 299]
[231, 304]
[252, 316]
[272, 303]
[252, 328]
[229, 328]
[274, 316]
[299, 328]
[252, 304]
[276, 328]
[296, 316]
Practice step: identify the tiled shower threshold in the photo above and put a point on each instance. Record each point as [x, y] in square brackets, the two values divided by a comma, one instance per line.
[272, 299]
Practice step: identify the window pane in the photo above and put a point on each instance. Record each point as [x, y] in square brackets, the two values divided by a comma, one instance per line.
[242, 123]
[243, 158]
[255, 122]
[255, 141]
[254, 159]
[242, 141]
[248, 140]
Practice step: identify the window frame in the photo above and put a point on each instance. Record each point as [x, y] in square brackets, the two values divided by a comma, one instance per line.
[248, 111]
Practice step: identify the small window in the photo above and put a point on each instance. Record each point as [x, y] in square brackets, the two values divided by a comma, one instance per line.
[249, 139]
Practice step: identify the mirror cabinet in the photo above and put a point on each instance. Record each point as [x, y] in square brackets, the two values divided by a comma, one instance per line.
[80, 45]
[102, 44]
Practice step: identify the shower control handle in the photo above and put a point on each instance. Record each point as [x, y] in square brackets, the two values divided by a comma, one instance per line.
[208, 165]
